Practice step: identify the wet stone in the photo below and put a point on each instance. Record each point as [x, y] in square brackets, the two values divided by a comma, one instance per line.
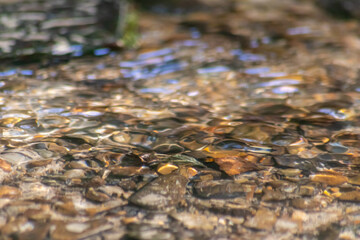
[66, 208]
[74, 173]
[294, 161]
[127, 184]
[166, 169]
[314, 221]
[287, 225]
[96, 182]
[304, 203]
[222, 189]
[5, 166]
[238, 207]
[274, 195]
[264, 219]
[183, 159]
[197, 221]
[77, 230]
[129, 171]
[39, 163]
[96, 196]
[19, 157]
[342, 9]
[307, 190]
[329, 178]
[237, 120]
[350, 196]
[9, 192]
[168, 148]
[355, 180]
[163, 192]
[233, 166]
[148, 232]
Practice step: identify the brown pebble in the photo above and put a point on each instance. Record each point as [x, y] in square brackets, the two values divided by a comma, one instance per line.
[264, 219]
[306, 190]
[329, 178]
[233, 166]
[305, 203]
[9, 192]
[355, 180]
[96, 182]
[126, 171]
[4, 165]
[129, 220]
[350, 196]
[93, 195]
[165, 191]
[39, 163]
[67, 208]
[165, 169]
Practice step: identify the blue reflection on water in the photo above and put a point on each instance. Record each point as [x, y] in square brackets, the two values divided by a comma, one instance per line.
[8, 73]
[77, 50]
[156, 53]
[278, 82]
[285, 90]
[27, 72]
[101, 51]
[247, 57]
[215, 69]
[156, 90]
[258, 70]
[299, 30]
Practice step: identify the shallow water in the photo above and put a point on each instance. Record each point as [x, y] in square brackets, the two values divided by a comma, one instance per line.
[239, 126]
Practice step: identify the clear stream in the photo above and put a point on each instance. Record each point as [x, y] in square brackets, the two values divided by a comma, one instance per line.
[240, 124]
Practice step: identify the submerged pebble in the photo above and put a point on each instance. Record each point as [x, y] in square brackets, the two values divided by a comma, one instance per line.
[230, 119]
[164, 192]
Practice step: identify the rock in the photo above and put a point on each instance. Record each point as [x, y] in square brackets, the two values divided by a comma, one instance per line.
[238, 208]
[149, 232]
[307, 190]
[314, 221]
[294, 161]
[341, 8]
[5, 166]
[96, 196]
[77, 230]
[165, 191]
[197, 221]
[350, 196]
[222, 189]
[305, 203]
[286, 225]
[329, 178]
[355, 180]
[9, 192]
[264, 219]
[39, 163]
[273, 195]
[233, 166]
[128, 171]
[74, 173]
[165, 169]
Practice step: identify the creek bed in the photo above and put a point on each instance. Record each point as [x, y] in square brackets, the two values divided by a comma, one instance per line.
[221, 125]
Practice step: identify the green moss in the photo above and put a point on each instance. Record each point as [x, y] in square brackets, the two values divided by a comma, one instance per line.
[130, 34]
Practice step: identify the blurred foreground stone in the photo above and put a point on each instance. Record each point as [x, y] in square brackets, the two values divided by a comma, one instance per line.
[341, 8]
[32, 29]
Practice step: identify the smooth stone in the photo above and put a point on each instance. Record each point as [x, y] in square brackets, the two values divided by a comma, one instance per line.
[222, 189]
[264, 219]
[329, 179]
[353, 196]
[9, 192]
[165, 191]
